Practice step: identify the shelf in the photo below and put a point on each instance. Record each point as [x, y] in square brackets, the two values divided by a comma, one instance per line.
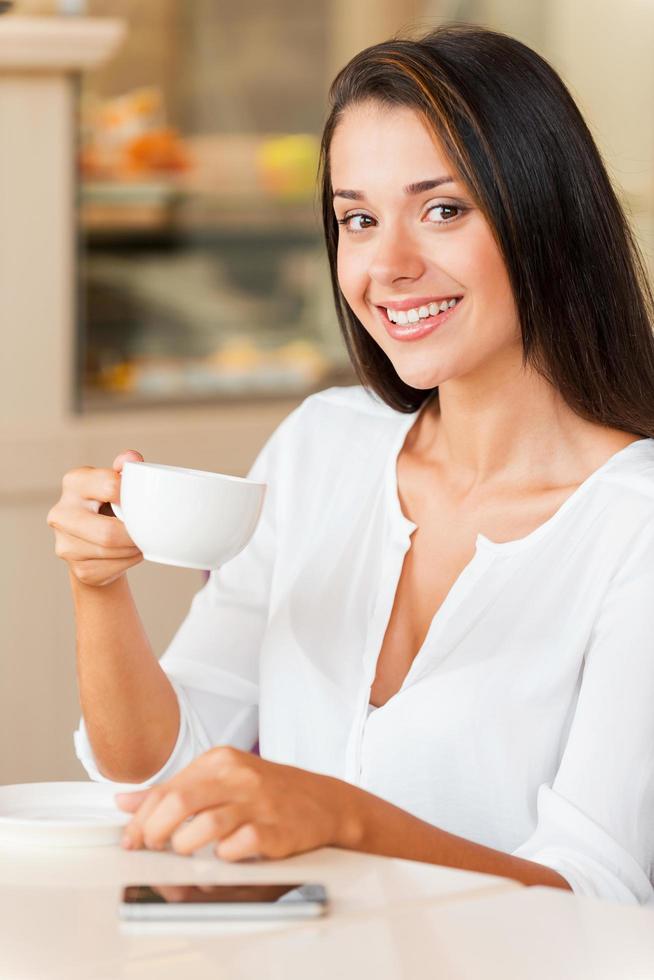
[171, 236]
[106, 217]
[64, 44]
[109, 402]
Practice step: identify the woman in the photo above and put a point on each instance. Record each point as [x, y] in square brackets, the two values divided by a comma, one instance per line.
[442, 628]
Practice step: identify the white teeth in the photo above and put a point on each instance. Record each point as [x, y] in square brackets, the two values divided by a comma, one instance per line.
[419, 312]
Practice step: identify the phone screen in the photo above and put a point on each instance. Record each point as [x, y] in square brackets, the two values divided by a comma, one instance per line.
[223, 894]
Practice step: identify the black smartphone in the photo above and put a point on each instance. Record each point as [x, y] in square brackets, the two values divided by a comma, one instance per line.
[204, 903]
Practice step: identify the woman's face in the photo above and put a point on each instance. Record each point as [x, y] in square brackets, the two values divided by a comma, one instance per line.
[406, 244]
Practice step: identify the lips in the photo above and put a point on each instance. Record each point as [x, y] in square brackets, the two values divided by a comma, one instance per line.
[416, 331]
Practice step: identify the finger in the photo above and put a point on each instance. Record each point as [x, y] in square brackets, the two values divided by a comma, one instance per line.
[91, 483]
[179, 803]
[107, 533]
[133, 833]
[127, 456]
[196, 788]
[130, 802]
[208, 826]
[79, 539]
[245, 842]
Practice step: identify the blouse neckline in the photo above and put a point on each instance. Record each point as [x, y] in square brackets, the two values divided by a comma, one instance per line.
[517, 544]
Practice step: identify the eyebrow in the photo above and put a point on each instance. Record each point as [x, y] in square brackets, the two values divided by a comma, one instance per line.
[419, 188]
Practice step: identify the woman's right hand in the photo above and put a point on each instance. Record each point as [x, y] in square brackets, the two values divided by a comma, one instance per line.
[95, 545]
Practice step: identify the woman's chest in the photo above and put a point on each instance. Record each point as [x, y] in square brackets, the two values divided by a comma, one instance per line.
[434, 562]
[499, 660]
[443, 547]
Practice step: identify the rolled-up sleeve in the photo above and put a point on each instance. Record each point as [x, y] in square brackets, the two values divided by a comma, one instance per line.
[595, 823]
[212, 661]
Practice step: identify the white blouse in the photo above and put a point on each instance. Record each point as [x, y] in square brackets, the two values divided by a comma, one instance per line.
[526, 721]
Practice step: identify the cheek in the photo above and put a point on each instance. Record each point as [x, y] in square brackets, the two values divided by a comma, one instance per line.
[485, 276]
[503, 321]
[352, 277]
[487, 268]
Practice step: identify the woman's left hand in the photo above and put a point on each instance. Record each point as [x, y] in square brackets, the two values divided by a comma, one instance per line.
[245, 805]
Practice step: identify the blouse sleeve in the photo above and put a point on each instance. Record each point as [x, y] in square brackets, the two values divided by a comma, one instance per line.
[212, 661]
[596, 821]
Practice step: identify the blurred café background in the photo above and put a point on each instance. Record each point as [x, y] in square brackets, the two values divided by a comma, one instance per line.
[163, 284]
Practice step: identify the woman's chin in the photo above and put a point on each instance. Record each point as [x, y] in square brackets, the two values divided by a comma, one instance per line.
[421, 380]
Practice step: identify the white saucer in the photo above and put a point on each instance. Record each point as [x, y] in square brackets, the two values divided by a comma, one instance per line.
[60, 814]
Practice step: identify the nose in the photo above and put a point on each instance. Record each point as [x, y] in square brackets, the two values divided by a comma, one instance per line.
[396, 258]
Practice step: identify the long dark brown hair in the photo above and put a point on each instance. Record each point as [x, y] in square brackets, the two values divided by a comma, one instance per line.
[513, 132]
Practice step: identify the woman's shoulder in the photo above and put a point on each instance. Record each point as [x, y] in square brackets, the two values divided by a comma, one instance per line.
[335, 426]
[624, 497]
[342, 413]
[349, 400]
[631, 470]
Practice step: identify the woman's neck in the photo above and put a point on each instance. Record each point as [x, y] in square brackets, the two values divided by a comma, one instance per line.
[511, 428]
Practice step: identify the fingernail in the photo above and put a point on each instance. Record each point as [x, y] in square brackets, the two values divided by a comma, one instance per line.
[126, 842]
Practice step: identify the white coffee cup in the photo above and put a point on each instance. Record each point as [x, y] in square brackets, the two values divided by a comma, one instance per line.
[190, 518]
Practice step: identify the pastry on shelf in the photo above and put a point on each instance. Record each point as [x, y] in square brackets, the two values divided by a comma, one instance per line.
[127, 138]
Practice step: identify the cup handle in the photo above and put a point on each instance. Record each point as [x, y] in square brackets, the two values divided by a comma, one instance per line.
[118, 511]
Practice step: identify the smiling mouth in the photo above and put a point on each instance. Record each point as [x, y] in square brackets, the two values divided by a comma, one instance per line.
[416, 329]
[423, 310]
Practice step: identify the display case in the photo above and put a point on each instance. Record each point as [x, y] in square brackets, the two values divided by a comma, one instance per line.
[202, 271]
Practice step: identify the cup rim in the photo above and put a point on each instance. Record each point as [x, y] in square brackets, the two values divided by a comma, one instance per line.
[187, 471]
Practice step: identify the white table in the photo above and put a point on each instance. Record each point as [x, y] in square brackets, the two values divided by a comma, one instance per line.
[389, 920]
[58, 912]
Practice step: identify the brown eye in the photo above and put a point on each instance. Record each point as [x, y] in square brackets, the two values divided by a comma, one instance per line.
[361, 220]
[448, 209]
